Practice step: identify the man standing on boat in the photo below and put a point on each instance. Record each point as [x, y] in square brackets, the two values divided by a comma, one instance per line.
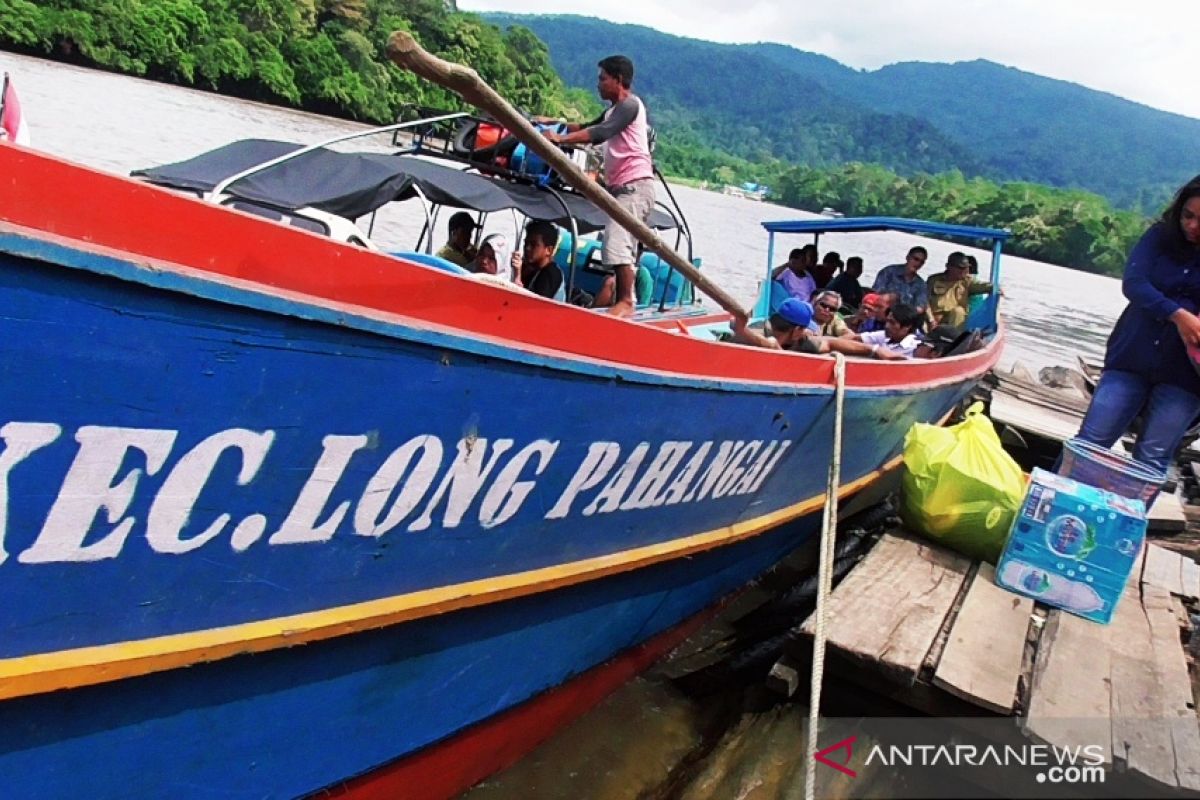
[628, 168]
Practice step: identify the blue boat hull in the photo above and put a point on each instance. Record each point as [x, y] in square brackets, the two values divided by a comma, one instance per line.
[268, 520]
[286, 723]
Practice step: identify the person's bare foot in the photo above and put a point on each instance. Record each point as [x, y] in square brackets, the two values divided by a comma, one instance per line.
[621, 308]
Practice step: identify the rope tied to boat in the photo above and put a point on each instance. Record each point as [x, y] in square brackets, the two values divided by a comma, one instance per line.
[825, 574]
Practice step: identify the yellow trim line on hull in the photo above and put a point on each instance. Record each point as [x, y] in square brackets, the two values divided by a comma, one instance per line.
[84, 666]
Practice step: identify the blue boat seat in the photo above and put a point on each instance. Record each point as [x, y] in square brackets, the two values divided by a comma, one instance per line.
[429, 260]
[777, 296]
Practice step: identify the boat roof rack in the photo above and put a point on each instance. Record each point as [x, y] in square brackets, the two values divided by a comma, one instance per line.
[852, 224]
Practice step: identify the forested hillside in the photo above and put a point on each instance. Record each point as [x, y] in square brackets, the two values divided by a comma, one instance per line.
[768, 100]
[323, 55]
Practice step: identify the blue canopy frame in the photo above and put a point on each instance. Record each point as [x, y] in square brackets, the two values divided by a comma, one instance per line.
[996, 237]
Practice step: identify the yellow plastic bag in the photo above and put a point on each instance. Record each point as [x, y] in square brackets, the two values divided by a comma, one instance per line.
[960, 488]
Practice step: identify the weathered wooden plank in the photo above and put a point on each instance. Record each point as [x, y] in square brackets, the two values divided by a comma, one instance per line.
[1162, 569]
[1166, 514]
[1175, 689]
[1070, 702]
[890, 608]
[1033, 418]
[1140, 739]
[1139, 566]
[982, 659]
[1066, 399]
[1189, 577]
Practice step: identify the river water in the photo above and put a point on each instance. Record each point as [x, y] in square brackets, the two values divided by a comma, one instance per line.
[117, 123]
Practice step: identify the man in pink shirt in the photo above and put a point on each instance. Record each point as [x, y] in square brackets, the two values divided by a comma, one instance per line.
[628, 168]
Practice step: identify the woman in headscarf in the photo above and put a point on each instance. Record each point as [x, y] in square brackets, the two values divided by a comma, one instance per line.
[494, 258]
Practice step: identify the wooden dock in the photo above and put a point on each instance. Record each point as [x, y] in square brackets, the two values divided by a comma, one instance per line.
[930, 629]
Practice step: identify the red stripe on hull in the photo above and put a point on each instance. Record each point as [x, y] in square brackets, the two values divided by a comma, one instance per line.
[451, 767]
[86, 206]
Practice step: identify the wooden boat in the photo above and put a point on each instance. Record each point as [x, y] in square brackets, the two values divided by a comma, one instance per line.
[279, 512]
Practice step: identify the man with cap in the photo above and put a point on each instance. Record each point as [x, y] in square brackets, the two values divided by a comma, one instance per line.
[950, 292]
[790, 331]
[459, 249]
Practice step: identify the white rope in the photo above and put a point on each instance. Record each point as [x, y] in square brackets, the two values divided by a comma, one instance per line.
[825, 575]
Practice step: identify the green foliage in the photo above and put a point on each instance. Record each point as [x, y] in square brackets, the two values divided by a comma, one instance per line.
[1073, 228]
[323, 55]
[23, 23]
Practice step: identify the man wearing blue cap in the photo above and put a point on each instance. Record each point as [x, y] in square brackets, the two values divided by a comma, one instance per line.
[790, 331]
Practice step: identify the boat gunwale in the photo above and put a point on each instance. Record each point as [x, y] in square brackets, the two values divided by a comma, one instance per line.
[242, 252]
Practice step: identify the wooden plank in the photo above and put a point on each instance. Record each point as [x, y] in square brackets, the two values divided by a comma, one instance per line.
[1067, 399]
[1140, 739]
[1070, 702]
[889, 609]
[934, 656]
[1189, 577]
[1033, 418]
[1135, 574]
[1175, 689]
[982, 659]
[1166, 514]
[1162, 569]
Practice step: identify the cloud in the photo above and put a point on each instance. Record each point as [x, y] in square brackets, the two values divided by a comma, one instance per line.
[1131, 50]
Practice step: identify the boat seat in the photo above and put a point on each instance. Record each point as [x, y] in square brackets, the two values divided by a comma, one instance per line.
[429, 260]
[778, 294]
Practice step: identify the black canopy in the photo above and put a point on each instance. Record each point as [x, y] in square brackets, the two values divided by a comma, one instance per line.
[351, 185]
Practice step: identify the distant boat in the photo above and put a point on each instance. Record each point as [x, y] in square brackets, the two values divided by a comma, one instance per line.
[747, 191]
[282, 514]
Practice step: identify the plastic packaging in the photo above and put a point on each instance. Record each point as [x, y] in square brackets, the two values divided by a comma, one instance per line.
[1073, 546]
[960, 487]
[1091, 464]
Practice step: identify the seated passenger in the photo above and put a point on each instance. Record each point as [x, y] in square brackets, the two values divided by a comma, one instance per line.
[790, 331]
[904, 280]
[936, 342]
[537, 271]
[872, 314]
[493, 258]
[458, 248]
[847, 284]
[898, 335]
[794, 276]
[824, 272]
[825, 313]
[950, 292]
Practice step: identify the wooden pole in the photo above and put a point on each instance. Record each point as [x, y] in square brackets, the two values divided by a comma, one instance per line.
[405, 52]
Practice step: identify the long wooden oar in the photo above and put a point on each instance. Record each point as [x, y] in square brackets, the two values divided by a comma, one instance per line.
[404, 50]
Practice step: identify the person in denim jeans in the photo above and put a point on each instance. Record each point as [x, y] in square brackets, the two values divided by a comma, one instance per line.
[1147, 366]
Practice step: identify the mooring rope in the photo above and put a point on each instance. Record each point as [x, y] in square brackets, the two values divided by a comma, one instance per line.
[825, 575]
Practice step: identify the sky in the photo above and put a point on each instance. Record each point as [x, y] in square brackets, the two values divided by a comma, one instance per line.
[1139, 51]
